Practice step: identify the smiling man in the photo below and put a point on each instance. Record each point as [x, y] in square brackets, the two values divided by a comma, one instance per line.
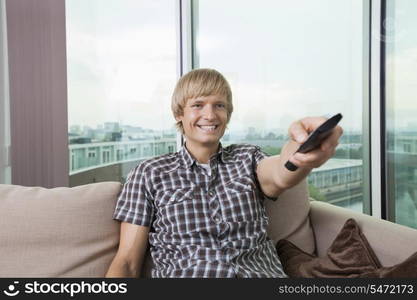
[202, 208]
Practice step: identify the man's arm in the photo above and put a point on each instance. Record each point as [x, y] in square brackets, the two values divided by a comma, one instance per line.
[272, 175]
[131, 253]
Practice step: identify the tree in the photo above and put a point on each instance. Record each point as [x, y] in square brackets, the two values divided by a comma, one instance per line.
[271, 150]
[315, 193]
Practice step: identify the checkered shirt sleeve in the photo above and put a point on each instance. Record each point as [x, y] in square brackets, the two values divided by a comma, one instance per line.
[259, 155]
[135, 202]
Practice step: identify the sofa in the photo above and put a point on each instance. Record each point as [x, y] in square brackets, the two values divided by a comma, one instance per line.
[69, 232]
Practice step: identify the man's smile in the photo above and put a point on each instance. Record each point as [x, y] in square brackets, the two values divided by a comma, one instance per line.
[208, 128]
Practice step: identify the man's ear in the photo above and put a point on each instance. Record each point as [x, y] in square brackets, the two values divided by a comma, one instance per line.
[178, 118]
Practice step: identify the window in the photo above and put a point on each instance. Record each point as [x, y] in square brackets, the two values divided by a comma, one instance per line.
[121, 58]
[407, 148]
[401, 124]
[170, 149]
[106, 156]
[285, 61]
[119, 154]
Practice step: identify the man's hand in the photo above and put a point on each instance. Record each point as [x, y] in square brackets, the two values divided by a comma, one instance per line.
[274, 178]
[299, 132]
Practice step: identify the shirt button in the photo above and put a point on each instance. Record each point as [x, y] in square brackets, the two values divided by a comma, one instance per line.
[217, 220]
[211, 193]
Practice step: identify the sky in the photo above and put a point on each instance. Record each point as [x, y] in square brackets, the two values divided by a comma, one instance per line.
[401, 67]
[284, 60]
[121, 62]
[289, 60]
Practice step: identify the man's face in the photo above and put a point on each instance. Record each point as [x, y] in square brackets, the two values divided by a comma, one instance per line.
[204, 119]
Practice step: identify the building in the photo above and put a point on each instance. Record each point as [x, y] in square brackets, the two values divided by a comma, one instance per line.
[339, 180]
[96, 162]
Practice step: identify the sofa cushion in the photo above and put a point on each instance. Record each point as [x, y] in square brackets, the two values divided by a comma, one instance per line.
[289, 218]
[59, 232]
[327, 219]
[350, 255]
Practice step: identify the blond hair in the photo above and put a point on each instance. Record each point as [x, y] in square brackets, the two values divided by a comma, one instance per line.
[197, 83]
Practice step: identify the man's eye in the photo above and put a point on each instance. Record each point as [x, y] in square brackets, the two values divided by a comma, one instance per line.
[196, 105]
[221, 105]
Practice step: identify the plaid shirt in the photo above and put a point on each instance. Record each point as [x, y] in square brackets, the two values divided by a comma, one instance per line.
[201, 225]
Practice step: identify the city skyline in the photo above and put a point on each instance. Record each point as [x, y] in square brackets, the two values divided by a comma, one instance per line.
[248, 132]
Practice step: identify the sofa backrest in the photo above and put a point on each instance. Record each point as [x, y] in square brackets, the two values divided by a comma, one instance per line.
[59, 232]
[69, 232]
[289, 218]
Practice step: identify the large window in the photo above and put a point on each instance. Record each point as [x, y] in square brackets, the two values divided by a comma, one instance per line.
[287, 60]
[401, 110]
[284, 60]
[121, 72]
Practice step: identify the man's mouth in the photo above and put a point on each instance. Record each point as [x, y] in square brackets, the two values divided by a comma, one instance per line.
[208, 128]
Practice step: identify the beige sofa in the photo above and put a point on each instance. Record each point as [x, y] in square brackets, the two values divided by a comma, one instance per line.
[69, 232]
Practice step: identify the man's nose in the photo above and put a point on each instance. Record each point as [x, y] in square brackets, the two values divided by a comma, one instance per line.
[209, 112]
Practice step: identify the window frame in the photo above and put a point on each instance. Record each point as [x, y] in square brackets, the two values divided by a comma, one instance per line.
[371, 122]
[5, 165]
[377, 175]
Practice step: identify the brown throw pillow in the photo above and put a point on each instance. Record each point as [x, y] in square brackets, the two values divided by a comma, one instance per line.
[350, 255]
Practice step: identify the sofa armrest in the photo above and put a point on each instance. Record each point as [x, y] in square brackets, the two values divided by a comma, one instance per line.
[392, 243]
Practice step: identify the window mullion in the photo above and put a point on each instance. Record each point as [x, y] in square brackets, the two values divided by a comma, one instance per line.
[185, 43]
[5, 169]
[375, 113]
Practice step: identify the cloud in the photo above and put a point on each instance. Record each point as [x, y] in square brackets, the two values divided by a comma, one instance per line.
[125, 71]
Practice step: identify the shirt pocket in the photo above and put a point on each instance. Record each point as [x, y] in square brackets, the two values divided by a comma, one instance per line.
[179, 211]
[243, 200]
[241, 185]
[173, 196]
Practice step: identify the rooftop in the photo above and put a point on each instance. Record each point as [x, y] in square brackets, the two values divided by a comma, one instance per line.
[338, 163]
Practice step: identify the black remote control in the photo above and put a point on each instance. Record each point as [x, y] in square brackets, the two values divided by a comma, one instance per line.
[315, 138]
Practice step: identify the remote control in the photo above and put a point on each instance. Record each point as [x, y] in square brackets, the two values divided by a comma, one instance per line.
[315, 138]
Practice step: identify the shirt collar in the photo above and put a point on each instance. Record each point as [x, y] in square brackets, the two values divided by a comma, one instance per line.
[224, 154]
[187, 160]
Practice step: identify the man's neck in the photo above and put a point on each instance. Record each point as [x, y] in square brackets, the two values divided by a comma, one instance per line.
[202, 153]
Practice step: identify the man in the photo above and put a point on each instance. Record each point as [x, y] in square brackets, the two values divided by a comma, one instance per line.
[202, 207]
